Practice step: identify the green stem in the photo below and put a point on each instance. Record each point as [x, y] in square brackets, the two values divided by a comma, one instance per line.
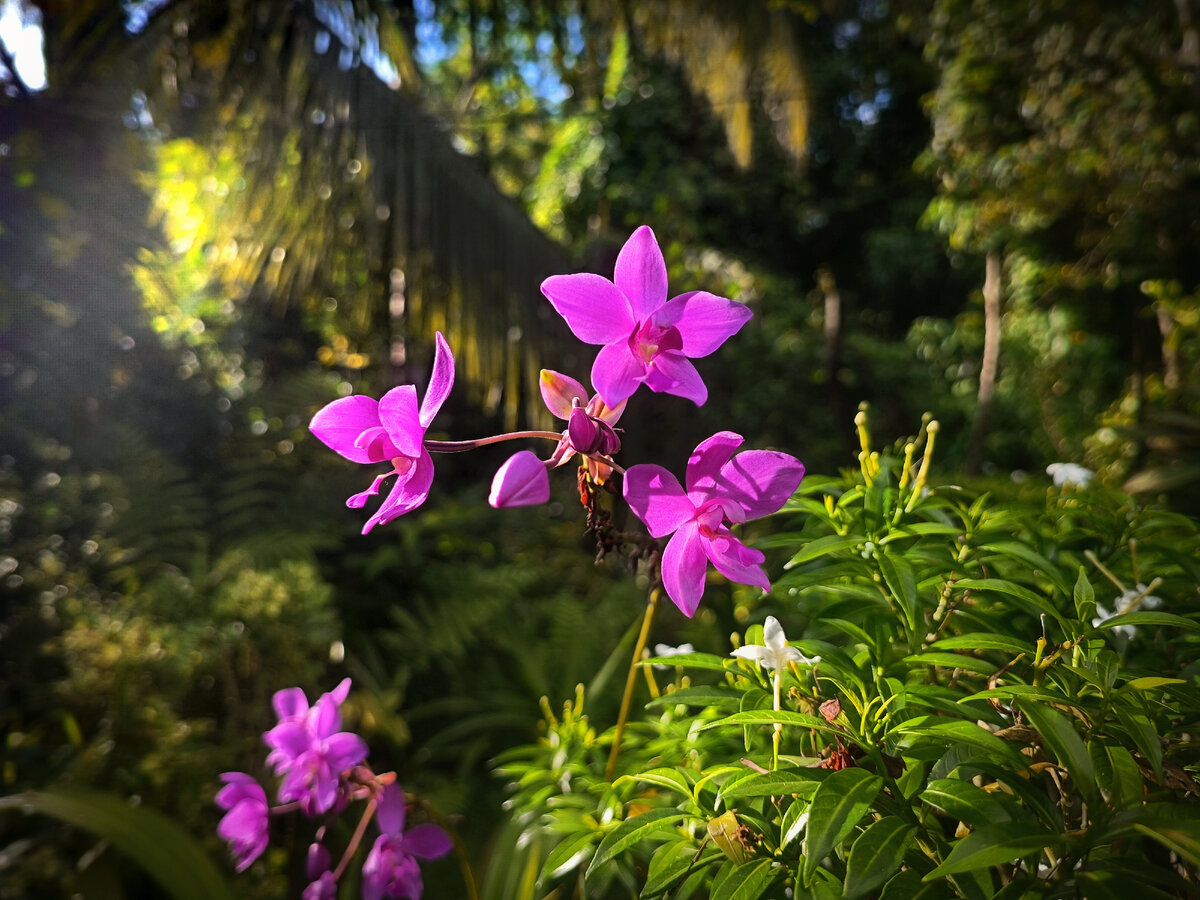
[778, 728]
[630, 681]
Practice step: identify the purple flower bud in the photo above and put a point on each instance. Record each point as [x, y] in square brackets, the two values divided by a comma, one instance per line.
[323, 888]
[317, 861]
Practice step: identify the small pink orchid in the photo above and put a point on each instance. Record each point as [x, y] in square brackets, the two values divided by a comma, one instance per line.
[391, 867]
[720, 488]
[647, 338]
[244, 824]
[391, 430]
[523, 479]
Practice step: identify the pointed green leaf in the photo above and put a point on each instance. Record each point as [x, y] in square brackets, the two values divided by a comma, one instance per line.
[669, 778]
[908, 886]
[748, 881]
[781, 783]
[770, 717]
[961, 732]
[672, 862]
[991, 845]
[629, 832]
[1066, 744]
[568, 854]
[1032, 603]
[1150, 618]
[1142, 732]
[982, 641]
[876, 855]
[168, 853]
[693, 661]
[952, 661]
[1085, 597]
[965, 802]
[902, 584]
[703, 695]
[837, 806]
[1148, 683]
[829, 544]
[1127, 787]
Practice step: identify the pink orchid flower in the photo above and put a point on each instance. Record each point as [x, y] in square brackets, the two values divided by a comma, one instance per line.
[391, 868]
[390, 430]
[721, 488]
[523, 479]
[647, 338]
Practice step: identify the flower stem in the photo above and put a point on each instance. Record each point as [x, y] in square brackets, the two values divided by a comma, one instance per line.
[778, 728]
[352, 847]
[460, 446]
[630, 681]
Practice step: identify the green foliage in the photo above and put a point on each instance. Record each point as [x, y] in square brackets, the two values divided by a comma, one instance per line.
[974, 726]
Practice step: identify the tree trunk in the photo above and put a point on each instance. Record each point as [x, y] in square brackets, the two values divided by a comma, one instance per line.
[991, 359]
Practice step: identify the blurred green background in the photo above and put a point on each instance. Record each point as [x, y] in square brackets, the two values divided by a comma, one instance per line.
[215, 218]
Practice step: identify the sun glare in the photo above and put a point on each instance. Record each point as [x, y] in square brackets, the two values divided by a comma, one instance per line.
[21, 34]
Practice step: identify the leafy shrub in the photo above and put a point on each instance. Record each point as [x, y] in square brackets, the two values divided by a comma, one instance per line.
[1003, 706]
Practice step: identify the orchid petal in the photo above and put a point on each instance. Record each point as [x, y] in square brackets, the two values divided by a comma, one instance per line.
[641, 273]
[409, 492]
[289, 702]
[595, 309]
[670, 372]
[760, 481]
[616, 373]
[398, 414]
[376, 444]
[345, 750]
[291, 739]
[521, 481]
[683, 566]
[327, 718]
[359, 500]
[341, 692]
[655, 497]
[391, 810]
[338, 424]
[704, 320]
[560, 393]
[704, 465]
[599, 409]
[736, 561]
[440, 382]
[426, 842]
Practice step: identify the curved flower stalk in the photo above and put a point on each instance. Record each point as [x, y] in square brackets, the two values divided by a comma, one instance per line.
[721, 488]
[523, 479]
[647, 339]
[390, 430]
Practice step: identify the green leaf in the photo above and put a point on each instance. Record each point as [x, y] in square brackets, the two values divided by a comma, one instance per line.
[839, 803]
[629, 832]
[748, 881]
[1142, 732]
[1106, 884]
[876, 855]
[770, 717]
[951, 661]
[1026, 691]
[1185, 843]
[1029, 601]
[168, 853]
[908, 886]
[703, 695]
[568, 854]
[1032, 558]
[1148, 683]
[964, 801]
[831, 543]
[982, 641]
[671, 862]
[991, 845]
[1127, 786]
[781, 783]
[670, 778]
[1085, 597]
[902, 584]
[693, 661]
[1150, 618]
[961, 732]
[1062, 738]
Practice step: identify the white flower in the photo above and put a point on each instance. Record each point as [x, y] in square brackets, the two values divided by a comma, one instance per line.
[1069, 473]
[1128, 600]
[776, 654]
[668, 650]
